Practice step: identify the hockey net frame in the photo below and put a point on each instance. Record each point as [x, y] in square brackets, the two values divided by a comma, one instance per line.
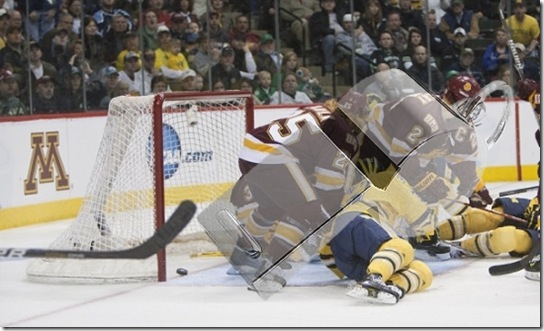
[194, 109]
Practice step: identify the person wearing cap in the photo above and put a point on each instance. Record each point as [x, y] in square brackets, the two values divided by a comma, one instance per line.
[10, 105]
[190, 43]
[187, 80]
[105, 14]
[267, 58]
[38, 67]
[531, 70]
[525, 28]
[132, 44]
[142, 82]
[243, 57]
[452, 52]
[73, 91]
[364, 46]
[466, 65]
[111, 78]
[128, 74]
[163, 52]
[458, 16]
[178, 25]
[45, 99]
[302, 9]
[324, 25]
[225, 69]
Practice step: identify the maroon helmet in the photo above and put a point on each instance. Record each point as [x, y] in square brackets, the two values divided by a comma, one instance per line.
[461, 87]
[526, 87]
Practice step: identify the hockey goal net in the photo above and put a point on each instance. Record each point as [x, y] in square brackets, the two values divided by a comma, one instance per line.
[155, 152]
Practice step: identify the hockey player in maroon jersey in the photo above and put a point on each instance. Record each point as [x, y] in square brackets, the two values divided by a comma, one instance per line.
[293, 176]
[494, 234]
[415, 136]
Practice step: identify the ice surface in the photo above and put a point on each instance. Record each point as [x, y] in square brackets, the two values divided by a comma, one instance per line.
[463, 294]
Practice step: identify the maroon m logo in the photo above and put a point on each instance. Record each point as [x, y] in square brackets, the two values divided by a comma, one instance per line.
[47, 163]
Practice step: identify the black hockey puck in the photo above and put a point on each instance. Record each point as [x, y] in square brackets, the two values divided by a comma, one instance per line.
[182, 272]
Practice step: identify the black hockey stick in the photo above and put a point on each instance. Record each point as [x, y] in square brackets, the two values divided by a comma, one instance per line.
[519, 190]
[508, 268]
[517, 62]
[164, 235]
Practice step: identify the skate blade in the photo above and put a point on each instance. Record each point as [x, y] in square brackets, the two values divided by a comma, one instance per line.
[535, 276]
[372, 296]
[423, 255]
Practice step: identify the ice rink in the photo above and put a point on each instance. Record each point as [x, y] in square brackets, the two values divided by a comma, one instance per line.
[463, 294]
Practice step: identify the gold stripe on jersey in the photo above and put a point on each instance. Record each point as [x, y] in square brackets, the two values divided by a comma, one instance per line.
[328, 180]
[256, 151]
[302, 182]
[288, 233]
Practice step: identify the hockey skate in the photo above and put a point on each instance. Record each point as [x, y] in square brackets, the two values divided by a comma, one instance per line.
[458, 252]
[532, 271]
[428, 248]
[374, 290]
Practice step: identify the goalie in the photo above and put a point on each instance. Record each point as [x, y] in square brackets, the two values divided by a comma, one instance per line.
[494, 234]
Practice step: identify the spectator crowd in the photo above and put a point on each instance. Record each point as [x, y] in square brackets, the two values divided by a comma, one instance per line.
[59, 56]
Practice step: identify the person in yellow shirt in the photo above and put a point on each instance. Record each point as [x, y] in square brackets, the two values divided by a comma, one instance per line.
[176, 60]
[132, 44]
[525, 28]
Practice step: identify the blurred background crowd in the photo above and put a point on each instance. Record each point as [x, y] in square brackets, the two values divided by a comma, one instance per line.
[62, 56]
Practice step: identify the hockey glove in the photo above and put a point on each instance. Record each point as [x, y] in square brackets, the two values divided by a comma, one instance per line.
[532, 215]
[481, 198]
[431, 188]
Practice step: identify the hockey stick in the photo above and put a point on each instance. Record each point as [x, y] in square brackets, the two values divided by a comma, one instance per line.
[517, 62]
[491, 211]
[519, 190]
[164, 235]
[508, 268]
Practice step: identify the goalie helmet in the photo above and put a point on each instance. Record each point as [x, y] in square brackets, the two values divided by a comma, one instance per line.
[461, 87]
[526, 88]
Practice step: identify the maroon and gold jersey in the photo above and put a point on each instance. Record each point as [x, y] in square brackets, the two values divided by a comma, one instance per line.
[321, 142]
[400, 126]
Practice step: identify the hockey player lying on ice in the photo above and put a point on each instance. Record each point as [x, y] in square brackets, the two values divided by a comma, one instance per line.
[494, 234]
[290, 186]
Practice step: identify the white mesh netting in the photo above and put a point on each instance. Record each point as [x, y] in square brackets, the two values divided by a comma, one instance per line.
[200, 153]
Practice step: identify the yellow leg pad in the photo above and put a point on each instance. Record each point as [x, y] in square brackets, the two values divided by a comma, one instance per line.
[503, 240]
[477, 220]
[392, 256]
[417, 276]
[524, 242]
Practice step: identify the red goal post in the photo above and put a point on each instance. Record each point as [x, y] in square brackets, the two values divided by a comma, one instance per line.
[132, 189]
